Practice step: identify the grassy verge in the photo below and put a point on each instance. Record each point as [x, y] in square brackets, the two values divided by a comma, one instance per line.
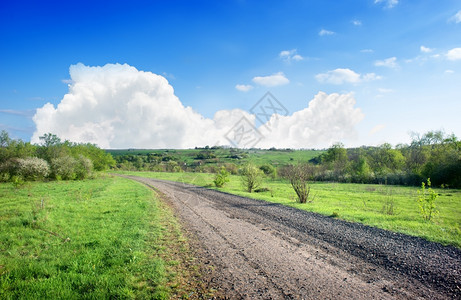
[99, 239]
[393, 208]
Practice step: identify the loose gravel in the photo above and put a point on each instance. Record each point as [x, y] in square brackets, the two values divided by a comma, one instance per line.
[251, 249]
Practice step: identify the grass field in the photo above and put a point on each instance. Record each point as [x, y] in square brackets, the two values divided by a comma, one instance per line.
[393, 208]
[95, 239]
[258, 156]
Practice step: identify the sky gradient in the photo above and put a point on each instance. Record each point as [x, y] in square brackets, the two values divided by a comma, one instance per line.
[395, 63]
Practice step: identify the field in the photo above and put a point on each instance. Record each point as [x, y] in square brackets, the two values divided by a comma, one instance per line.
[258, 156]
[94, 239]
[393, 208]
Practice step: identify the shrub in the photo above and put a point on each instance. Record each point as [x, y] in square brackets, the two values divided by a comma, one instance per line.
[221, 178]
[299, 176]
[33, 168]
[64, 167]
[251, 177]
[426, 200]
[269, 170]
[84, 167]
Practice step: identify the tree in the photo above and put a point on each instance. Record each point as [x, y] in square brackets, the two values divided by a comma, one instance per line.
[299, 176]
[251, 177]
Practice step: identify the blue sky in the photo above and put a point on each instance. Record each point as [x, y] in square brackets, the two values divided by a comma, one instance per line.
[399, 59]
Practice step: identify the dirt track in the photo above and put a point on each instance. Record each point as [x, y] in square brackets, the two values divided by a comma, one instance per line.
[259, 250]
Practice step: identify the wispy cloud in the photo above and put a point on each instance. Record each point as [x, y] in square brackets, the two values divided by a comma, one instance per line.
[454, 54]
[324, 32]
[425, 49]
[456, 18]
[290, 55]
[367, 51]
[377, 128]
[244, 87]
[388, 3]
[23, 113]
[357, 22]
[341, 76]
[390, 62]
[271, 80]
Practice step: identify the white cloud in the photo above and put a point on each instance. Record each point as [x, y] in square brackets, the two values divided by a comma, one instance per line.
[367, 51]
[271, 80]
[327, 119]
[357, 22]
[425, 49]
[117, 106]
[454, 54]
[389, 3]
[325, 32]
[385, 91]
[289, 55]
[340, 76]
[377, 128]
[390, 62]
[449, 72]
[456, 18]
[244, 87]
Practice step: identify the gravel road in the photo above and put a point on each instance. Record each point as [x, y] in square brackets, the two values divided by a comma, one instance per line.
[258, 250]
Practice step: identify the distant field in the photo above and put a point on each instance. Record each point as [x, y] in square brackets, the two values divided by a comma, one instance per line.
[108, 238]
[259, 156]
[389, 207]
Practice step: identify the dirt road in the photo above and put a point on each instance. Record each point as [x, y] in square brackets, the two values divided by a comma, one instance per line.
[259, 250]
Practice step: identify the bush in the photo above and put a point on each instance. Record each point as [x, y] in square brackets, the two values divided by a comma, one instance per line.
[426, 201]
[64, 168]
[251, 177]
[269, 170]
[299, 176]
[221, 178]
[84, 167]
[33, 168]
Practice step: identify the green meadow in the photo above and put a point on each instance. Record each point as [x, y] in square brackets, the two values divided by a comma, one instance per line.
[107, 238]
[388, 207]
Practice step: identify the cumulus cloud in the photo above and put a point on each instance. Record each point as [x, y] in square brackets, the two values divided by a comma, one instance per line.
[454, 54]
[425, 49]
[290, 55]
[118, 106]
[456, 18]
[327, 119]
[271, 80]
[390, 62]
[244, 87]
[323, 32]
[388, 3]
[340, 76]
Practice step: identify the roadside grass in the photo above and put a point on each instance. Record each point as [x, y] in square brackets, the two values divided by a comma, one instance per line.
[393, 208]
[94, 239]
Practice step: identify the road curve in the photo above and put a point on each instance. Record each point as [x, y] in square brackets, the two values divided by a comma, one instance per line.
[261, 250]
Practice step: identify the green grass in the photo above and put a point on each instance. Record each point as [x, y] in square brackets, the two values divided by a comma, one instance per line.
[258, 156]
[95, 239]
[393, 208]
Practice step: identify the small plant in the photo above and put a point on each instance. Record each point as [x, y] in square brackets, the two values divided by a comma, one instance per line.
[251, 177]
[388, 206]
[221, 178]
[426, 200]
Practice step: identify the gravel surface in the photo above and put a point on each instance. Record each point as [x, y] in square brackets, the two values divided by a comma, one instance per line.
[252, 249]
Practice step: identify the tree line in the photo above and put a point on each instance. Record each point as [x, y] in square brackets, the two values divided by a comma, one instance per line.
[433, 155]
[54, 159]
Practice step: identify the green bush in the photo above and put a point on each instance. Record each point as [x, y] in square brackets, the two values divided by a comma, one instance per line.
[251, 177]
[221, 178]
[426, 200]
[33, 168]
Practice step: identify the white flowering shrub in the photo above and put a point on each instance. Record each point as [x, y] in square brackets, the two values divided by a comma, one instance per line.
[32, 168]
